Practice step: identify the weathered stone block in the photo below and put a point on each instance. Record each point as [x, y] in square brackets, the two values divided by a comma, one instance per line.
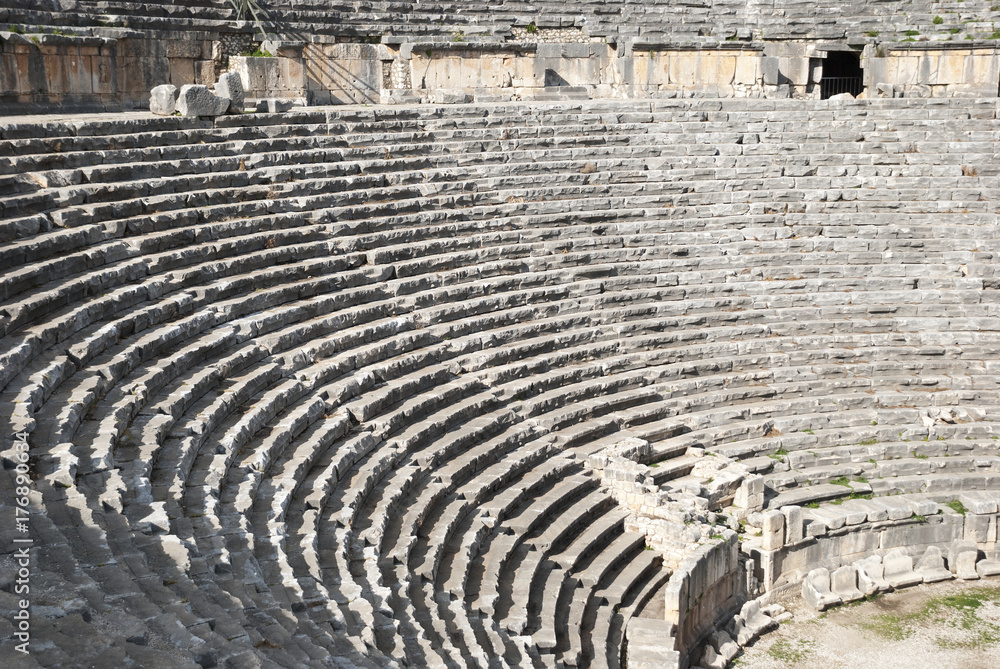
[816, 590]
[844, 584]
[931, 566]
[163, 100]
[793, 524]
[899, 569]
[230, 86]
[198, 100]
[774, 530]
[871, 575]
[962, 557]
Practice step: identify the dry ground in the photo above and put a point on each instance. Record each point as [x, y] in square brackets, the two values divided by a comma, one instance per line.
[954, 625]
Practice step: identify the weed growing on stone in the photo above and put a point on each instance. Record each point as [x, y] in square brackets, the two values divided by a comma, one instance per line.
[956, 505]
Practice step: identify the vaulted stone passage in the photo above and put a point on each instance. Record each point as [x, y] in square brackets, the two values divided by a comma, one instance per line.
[842, 73]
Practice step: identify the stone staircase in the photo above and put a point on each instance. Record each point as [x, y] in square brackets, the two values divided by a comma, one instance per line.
[317, 388]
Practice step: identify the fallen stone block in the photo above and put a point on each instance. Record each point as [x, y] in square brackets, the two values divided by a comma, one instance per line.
[750, 495]
[163, 100]
[844, 584]
[986, 568]
[724, 645]
[230, 86]
[398, 97]
[899, 569]
[962, 557]
[931, 566]
[197, 100]
[816, 590]
[274, 105]
[751, 623]
[448, 96]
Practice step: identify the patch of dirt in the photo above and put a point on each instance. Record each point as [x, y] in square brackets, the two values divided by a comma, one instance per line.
[940, 626]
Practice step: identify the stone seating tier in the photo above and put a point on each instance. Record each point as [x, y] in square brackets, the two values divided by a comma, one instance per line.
[714, 21]
[344, 413]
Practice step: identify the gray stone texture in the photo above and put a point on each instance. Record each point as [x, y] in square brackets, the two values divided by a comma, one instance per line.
[163, 100]
[931, 566]
[230, 86]
[816, 590]
[899, 569]
[198, 100]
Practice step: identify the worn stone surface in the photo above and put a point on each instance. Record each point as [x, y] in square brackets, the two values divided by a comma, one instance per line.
[163, 100]
[816, 590]
[199, 100]
[230, 86]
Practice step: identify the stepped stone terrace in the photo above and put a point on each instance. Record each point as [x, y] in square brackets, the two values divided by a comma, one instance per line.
[586, 384]
[490, 334]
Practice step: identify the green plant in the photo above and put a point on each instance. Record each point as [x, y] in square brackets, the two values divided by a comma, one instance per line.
[841, 480]
[911, 33]
[920, 456]
[954, 31]
[532, 28]
[253, 11]
[785, 651]
[259, 53]
[778, 454]
[938, 20]
[16, 30]
[994, 35]
[871, 33]
[812, 505]
[957, 506]
[458, 36]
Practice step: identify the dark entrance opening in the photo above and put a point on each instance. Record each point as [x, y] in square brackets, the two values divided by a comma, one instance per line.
[842, 73]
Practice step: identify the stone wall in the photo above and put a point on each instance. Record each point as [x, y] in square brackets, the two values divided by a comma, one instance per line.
[938, 70]
[791, 547]
[344, 73]
[723, 72]
[113, 69]
[706, 590]
[517, 69]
